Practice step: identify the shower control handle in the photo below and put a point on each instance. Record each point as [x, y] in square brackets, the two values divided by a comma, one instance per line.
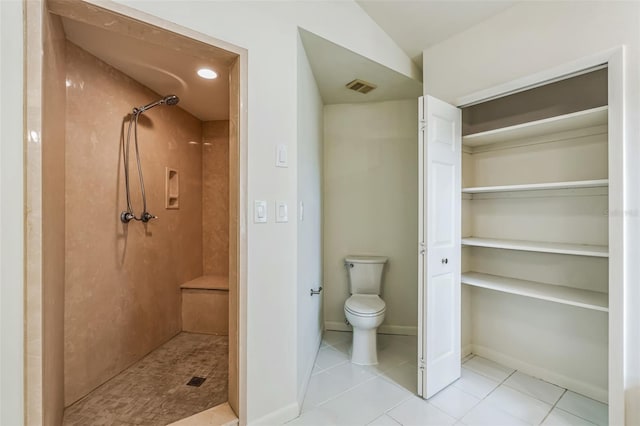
[146, 217]
[126, 217]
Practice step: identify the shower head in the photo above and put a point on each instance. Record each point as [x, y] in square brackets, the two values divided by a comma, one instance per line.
[168, 100]
[171, 99]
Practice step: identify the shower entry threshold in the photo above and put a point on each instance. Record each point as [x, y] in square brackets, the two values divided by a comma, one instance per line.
[155, 391]
[220, 415]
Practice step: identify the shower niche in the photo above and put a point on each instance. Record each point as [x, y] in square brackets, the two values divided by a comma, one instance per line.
[171, 189]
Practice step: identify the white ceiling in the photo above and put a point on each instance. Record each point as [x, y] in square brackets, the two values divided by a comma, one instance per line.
[163, 70]
[334, 66]
[417, 25]
[414, 25]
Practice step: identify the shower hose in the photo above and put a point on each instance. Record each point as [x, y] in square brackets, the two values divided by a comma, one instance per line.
[128, 215]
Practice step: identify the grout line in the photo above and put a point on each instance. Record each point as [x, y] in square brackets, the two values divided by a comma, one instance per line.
[499, 384]
[554, 406]
[590, 421]
[402, 401]
[492, 391]
[576, 414]
[466, 393]
[340, 393]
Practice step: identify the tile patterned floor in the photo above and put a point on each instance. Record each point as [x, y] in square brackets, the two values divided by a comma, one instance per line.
[153, 391]
[487, 394]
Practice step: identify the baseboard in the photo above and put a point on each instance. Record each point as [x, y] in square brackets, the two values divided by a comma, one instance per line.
[577, 386]
[336, 326]
[466, 350]
[404, 330]
[302, 391]
[277, 417]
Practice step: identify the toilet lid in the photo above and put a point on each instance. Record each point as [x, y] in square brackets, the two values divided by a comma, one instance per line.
[365, 304]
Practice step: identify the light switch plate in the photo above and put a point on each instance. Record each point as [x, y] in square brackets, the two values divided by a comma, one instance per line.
[260, 211]
[282, 215]
[301, 210]
[281, 156]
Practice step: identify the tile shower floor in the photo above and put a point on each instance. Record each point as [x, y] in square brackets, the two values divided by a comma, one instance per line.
[340, 393]
[153, 391]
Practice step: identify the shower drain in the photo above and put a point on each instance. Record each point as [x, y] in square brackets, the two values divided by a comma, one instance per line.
[196, 381]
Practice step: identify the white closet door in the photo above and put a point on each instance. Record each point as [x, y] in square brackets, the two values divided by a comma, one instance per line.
[439, 258]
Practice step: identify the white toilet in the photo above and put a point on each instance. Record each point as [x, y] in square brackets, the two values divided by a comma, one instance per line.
[364, 309]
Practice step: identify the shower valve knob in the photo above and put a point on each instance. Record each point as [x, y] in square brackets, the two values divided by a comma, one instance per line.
[146, 217]
[126, 217]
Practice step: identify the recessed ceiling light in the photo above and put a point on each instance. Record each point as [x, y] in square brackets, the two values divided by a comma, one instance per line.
[207, 73]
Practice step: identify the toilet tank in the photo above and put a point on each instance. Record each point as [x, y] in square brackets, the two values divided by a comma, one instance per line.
[365, 273]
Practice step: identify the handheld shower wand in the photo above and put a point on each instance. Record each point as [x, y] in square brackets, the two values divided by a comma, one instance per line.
[128, 215]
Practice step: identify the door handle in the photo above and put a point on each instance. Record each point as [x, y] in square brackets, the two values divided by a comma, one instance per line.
[445, 261]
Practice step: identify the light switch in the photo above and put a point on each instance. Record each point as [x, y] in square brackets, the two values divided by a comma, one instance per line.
[260, 211]
[301, 210]
[281, 212]
[281, 156]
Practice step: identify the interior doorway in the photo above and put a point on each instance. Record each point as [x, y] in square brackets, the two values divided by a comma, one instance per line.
[54, 303]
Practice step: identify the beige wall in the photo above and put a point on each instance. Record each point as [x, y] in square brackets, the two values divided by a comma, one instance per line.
[215, 197]
[53, 223]
[371, 204]
[122, 281]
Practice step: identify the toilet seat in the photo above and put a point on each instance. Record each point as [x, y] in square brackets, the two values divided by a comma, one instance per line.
[365, 305]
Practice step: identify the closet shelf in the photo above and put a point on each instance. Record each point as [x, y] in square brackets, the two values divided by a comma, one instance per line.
[537, 246]
[538, 186]
[553, 293]
[577, 120]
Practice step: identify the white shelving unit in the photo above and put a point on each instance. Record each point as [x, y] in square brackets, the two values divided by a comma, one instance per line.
[537, 246]
[595, 183]
[577, 120]
[532, 192]
[553, 293]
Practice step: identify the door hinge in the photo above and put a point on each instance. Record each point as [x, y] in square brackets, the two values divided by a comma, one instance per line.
[421, 248]
[421, 364]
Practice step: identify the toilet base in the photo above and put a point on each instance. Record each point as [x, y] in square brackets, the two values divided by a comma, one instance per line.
[364, 350]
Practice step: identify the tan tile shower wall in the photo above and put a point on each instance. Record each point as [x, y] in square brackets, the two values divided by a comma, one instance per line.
[53, 219]
[123, 281]
[215, 197]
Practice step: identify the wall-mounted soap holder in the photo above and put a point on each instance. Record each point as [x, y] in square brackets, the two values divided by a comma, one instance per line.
[171, 188]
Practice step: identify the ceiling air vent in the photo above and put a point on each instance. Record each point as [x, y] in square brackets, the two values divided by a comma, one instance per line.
[361, 86]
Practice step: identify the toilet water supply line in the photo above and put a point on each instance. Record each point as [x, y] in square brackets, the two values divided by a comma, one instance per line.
[129, 215]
